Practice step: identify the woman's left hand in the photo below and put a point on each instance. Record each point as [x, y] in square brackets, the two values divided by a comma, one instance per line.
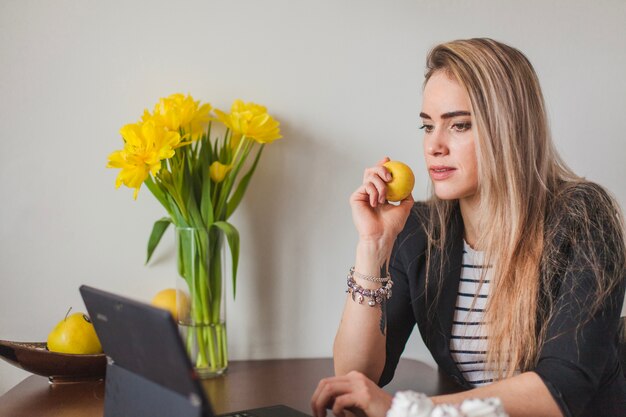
[352, 392]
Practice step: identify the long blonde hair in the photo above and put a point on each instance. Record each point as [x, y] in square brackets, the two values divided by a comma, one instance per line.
[528, 199]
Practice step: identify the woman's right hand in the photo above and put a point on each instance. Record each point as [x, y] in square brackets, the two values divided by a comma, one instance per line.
[376, 220]
[360, 341]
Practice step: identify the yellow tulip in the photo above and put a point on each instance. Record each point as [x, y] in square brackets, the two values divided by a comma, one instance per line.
[218, 171]
[252, 121]
[235, 138]
[145, 146]
[177, 111]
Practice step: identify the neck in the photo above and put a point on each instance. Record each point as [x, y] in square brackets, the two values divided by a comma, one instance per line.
[470, 214]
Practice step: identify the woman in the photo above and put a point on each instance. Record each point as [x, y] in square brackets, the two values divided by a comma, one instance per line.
[513, 271]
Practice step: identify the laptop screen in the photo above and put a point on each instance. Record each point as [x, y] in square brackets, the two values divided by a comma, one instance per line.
[141, 339]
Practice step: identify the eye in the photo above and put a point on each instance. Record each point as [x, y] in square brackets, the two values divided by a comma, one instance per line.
[462, 126]
[427, 128]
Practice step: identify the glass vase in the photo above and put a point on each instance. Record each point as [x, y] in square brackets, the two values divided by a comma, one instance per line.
[200, 300]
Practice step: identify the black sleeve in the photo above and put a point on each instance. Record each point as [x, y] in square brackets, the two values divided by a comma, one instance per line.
[574, 358]
[400, 315]
[580, 350]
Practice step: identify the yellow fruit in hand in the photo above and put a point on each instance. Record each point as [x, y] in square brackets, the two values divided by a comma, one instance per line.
[166, 299]
[402, 180]
[74, 334]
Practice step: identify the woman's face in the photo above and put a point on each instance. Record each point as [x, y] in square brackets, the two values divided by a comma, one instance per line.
[448, 138]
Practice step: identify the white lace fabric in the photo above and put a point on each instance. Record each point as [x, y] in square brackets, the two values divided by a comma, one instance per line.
[414, 404]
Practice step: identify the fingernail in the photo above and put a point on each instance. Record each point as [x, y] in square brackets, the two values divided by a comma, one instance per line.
[388, 177]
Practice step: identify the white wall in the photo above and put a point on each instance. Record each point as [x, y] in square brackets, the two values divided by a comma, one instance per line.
[343, 77]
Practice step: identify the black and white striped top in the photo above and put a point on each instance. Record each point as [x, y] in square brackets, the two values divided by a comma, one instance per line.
[468, 343]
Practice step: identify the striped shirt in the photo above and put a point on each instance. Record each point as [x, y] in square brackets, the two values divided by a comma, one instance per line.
[468, 342]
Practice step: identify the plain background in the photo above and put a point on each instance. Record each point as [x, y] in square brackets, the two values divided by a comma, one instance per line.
[343, 77]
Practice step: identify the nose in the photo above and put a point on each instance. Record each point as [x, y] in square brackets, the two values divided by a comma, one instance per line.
[435, 143]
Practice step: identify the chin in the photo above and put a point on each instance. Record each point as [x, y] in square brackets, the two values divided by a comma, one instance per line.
[445, 192]
[446, 196]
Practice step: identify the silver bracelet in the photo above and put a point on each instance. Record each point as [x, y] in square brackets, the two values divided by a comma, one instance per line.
[377, 296]
[353, 272]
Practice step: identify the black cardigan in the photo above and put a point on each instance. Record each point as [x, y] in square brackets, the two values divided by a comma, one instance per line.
[580, 369]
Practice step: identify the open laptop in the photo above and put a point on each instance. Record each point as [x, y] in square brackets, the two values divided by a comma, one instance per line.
[148, 372]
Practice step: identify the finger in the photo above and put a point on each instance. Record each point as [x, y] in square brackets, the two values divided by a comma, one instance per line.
[408, 201]
[401, 209]
[315, 398]
[373, 194]
[325, 393]
[360, 195]
[381, 187]
[318, 411]
[326, 398]
[380, 171]
[378, 176]
[382, 161]
[342, 403]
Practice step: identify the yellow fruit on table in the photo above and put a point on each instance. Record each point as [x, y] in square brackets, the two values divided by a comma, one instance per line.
[74, 334]
[166, 299]
[402, 180]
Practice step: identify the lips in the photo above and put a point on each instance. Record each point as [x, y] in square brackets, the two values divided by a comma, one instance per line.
[441, 172]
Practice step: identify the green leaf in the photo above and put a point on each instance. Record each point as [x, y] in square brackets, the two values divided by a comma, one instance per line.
[215, 152]
[178, 171]
[157, 192]
[206, 154]
[206, 205]
[160, 226]
[223, 156]
[178, 218]
[241, 187]
[195, 215]
[232, 235]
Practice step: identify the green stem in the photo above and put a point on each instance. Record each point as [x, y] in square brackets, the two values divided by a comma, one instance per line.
[238, 159]
[196, 248]
[221, 336]
[215, 193]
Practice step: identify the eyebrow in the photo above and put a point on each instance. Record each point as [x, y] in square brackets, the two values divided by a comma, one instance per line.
[447, 115]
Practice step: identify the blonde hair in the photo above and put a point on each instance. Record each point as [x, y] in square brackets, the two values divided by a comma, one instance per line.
[528, 199]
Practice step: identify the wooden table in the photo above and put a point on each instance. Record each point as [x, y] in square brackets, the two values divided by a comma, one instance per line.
[248, 384]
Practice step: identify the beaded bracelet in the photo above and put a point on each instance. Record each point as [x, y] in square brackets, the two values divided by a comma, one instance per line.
[377, 296]
[369, 278]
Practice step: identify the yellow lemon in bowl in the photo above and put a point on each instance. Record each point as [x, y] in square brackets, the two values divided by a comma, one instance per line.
[74, 334]
[402, 180]
[166, 299]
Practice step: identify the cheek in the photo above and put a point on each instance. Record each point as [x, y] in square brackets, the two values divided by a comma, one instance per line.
[472, 163]
[468, 161]
[472, 168]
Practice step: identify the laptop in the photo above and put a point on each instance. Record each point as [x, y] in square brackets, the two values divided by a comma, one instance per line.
[149, 373]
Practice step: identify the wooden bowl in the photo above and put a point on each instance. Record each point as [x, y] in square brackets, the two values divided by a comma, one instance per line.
[58, 367]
